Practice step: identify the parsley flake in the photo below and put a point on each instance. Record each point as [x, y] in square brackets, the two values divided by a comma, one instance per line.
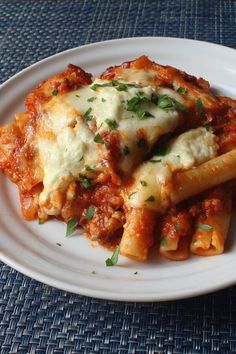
[107, 144]
[40, 222]
[85, 181]
[142, 143]
[207, 126]
[143, 183]
[98, 139]
[126, 150]
[134, 105]
[91, 99]
[93, 272]
[90, 212]
[182, 90]
[150, 199]
[103, 99]
[106, 84]
[168, 103]
[82, 157]
[177, 227]
[58, 244]
[55, 92]
[204, 227]
[200, 107]
[122, 87]
[155, 161]
[112, 124]
[71, 226]
[88, 168]
[135, 273]
[77, 96]
[87, 115]
[162, 151]
[163, 242]
[114, 258]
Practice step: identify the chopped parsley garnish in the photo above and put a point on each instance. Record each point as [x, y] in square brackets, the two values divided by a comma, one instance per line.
[112, 124]
[177, 227]
[103, 99]
[164, 102]
[134, 102]
[93, 272]
[55, 92]
[167, 103]
[142, 143]
[87, 115]
[163, 242]
[114, 258]
[131, 194]
[155, 161]
[88, 168]
[126, 150]
[40, 222]
[140, 113]
[150, 199]
[77, 96]
[143, 183]
[134, 105]
[200, 107]
[90, 212]
[98, 139]
[107, 143]
[96, 86]
[207, 126]
[106, 84]
[58, 244]
[122, 87]
[91, 99]
[182, 90]
[85, 181]
[162, 151]
[135, 273]
[71, 226]
[204, 227]
[82, 157]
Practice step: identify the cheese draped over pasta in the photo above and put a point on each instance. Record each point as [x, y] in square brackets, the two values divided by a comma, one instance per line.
[118, 152]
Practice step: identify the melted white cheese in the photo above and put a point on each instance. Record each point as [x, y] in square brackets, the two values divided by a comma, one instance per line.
[65, 135]
[65, 147]
[109, 103]
[188, 150]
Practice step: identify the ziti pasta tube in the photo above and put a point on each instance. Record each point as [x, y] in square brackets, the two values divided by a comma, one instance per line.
[156, 184]
[213, 222]
[166, 180]
[138, 233]
[175, 230]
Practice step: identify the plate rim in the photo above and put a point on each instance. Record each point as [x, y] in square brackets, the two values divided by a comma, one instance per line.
[99, 43]
[102, 294]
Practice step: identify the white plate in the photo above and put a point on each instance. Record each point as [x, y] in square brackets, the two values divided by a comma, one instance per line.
[32, 249]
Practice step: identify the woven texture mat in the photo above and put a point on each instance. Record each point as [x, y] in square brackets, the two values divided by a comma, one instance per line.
[35, 318]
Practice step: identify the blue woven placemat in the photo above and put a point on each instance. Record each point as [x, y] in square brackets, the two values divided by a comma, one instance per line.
[35, 318]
